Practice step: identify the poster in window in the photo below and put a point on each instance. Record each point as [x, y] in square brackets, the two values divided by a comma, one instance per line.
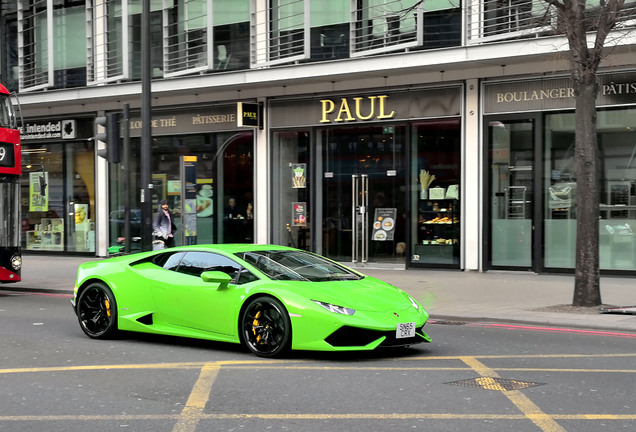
[384, 224]
[299, 176]
[173, 187]
[299, 214]
[81, 217]
[205, 196]
[38, 191]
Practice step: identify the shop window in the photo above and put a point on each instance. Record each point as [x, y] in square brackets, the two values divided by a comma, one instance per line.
[58, 197]
[511, 186]
[363, 194]
[292, 185]
[225, 172]
[617, 241]
[436, 211]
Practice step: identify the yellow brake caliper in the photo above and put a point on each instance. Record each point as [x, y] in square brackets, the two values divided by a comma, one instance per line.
[107, 304]
[255, 324]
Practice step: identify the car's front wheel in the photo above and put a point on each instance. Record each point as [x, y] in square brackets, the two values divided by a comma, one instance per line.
[97, 311]
[265, 327]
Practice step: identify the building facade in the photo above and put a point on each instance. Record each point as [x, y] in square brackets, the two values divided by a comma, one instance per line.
[402, 134]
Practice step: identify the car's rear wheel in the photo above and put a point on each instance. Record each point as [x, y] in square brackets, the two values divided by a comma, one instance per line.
[97, 311]
[265, 327]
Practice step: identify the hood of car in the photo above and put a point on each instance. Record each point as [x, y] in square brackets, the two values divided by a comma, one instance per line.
[368, 294]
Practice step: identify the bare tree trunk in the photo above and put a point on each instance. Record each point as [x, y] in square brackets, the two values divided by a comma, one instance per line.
[587, 291]
[576, 23]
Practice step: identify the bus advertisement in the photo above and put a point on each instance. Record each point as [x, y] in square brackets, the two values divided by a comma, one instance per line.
[10, 171]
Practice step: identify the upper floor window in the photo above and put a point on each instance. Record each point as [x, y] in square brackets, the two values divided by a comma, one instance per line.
[506, 19]
[205, 35]
[330, 29]
[51, 43]
[107, 52]
[9, 37]
[391, 25]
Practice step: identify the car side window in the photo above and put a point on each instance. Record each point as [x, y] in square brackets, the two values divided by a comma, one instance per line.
[195, 263]
[172, 263]
[169, 260]
[245, 276]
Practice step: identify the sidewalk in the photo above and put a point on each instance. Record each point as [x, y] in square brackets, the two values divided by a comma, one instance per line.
[446, 294]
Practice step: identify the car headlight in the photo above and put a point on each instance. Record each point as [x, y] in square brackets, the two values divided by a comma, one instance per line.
[16, 262]
[335, 308]
[414, 303]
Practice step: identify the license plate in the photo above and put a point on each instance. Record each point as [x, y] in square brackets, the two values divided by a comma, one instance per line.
[405, 330]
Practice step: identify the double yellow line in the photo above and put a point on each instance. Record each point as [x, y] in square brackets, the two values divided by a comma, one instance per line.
[193, 411]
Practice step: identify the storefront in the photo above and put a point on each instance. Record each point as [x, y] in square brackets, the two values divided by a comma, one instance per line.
[58, 186]
[531, 185]
[369, 178]
[224, 168]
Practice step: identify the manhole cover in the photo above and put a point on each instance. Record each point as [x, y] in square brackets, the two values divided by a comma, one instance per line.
[498, 384]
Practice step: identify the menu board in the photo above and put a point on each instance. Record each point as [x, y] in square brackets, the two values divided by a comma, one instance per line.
[384, 224]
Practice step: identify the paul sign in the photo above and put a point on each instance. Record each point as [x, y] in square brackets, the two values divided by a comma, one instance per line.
[355, 109]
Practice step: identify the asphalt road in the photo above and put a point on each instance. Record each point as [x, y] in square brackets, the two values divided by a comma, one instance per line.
[475, 376]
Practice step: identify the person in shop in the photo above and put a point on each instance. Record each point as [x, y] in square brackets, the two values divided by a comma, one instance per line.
[232, 211]
[232, 222]
[163, 226]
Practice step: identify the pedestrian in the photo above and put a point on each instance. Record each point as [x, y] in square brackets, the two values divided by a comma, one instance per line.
[163, 226]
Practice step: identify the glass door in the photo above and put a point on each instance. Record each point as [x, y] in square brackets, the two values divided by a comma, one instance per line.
[512, 201]
[364, 193]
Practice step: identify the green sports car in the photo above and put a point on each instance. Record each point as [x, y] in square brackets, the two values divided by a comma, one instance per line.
[269, 298]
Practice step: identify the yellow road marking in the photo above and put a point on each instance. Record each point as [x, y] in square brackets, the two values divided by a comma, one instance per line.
[263, 364]
[259, 366]
[430, 368]
[182, 365]
[199, 396]
[192, 413]
[520, 356]
[628, 371]
[545, 422]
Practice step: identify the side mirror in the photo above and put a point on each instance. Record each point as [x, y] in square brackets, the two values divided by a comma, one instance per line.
[216, 277]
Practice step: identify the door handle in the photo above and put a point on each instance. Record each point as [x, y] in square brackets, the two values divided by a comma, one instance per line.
[354, 218]
[364, 198]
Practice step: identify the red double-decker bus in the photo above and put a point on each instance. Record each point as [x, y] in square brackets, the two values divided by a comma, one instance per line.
[10, 170]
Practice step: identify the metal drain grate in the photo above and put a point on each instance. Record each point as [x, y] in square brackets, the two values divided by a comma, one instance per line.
[497, 384]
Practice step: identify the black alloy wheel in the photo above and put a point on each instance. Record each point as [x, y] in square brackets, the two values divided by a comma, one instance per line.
[97, 311]
[265, 327]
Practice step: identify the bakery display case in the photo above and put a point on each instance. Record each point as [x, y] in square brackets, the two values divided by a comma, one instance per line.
[438, 233]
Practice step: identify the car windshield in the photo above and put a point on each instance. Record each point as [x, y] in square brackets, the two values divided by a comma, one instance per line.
[297, 265]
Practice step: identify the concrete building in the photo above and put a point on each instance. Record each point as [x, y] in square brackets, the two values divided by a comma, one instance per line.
[392, 133]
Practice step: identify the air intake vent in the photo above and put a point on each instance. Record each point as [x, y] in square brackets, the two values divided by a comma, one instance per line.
[146, 319]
